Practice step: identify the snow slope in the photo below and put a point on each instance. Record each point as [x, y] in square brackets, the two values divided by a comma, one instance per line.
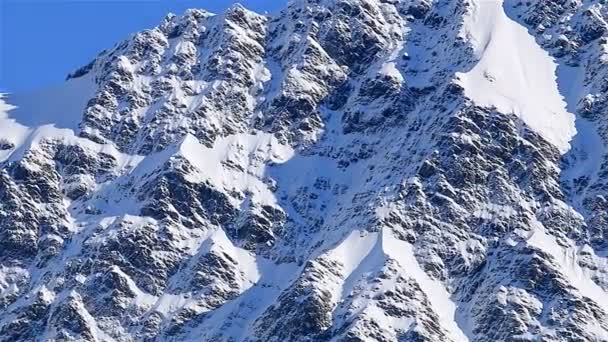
[62, 106]
[514, 74]
[435, 291]
[41, 114]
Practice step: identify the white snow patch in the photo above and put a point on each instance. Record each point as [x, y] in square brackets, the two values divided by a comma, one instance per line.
[248, 152]
[436, 293]
[390, 69]
[11, 132]
[142, 299]
[514, 74]
[46, 294]
[352, 251]
[245, 260]
[10, 278]
[124, 64]
[567, 261]
[214, 241]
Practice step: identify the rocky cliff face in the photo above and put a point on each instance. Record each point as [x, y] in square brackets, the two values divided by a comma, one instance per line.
[344, 170]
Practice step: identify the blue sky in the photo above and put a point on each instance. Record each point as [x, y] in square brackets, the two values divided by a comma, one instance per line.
[41, 41]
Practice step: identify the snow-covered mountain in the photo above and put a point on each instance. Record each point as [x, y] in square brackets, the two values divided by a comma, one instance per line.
[344, 170]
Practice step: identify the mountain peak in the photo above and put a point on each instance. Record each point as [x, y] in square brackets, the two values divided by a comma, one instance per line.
[360, 170]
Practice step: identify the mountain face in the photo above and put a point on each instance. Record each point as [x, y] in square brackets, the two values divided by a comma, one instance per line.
[344, 170]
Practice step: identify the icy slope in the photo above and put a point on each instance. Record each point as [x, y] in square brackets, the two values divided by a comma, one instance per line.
[347, 170]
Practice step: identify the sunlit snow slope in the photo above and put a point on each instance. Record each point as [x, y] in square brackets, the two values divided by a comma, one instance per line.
[514, 73]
